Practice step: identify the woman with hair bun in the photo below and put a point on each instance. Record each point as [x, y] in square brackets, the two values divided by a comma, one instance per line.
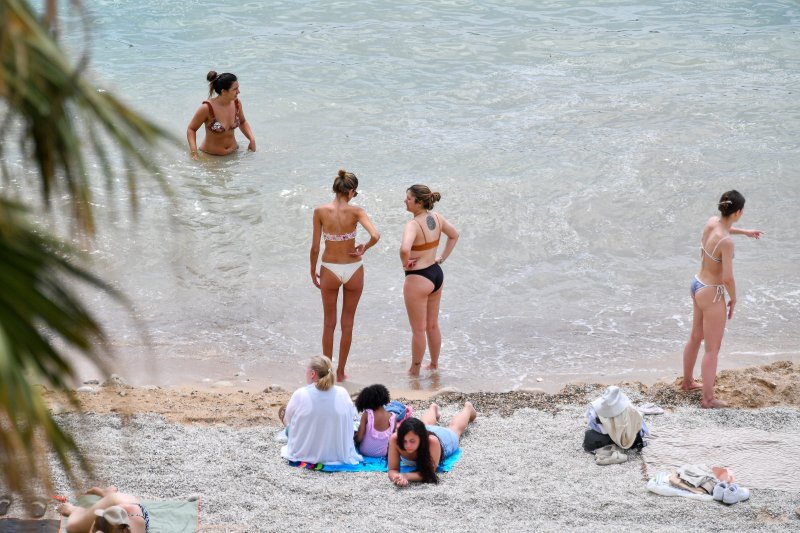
[319, 418]
[221, 115]
[708, 294]
[422, 290]
[336, 223]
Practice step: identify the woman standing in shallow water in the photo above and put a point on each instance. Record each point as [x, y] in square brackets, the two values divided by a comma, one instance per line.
[422, 290]
[335, 222]
[221, 115]
[708, 294]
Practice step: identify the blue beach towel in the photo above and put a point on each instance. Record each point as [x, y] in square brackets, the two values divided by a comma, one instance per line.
[374, 464]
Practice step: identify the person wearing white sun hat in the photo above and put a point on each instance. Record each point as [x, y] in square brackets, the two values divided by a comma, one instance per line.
[619, 418]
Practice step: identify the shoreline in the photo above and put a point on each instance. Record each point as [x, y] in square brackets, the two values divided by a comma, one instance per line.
[148, 370]
[772, 385]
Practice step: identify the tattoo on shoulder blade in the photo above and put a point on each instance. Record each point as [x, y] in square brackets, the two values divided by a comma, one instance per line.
[431, 222]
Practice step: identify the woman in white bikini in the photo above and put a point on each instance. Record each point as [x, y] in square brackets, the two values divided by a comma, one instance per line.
[708, 294]
[335, 222]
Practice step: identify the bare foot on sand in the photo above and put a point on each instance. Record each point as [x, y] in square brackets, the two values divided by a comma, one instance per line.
[413, 370]
[431, 366]
[65, 509]
[714, 404]
[436, 411]
[473, 412]
[341, 376]
[692, 385]
[97, 491]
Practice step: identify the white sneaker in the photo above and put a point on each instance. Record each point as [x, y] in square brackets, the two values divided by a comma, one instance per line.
[735, 494]
[719, 490]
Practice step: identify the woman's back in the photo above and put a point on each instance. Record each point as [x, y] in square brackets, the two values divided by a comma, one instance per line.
[714, 234]
[428, 233]
[321, 426]
[338, 220]
[377, 434]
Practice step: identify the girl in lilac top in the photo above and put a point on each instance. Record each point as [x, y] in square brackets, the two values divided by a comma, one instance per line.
[377, 424]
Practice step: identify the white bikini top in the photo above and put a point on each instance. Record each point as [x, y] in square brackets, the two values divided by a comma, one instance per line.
[711, 255]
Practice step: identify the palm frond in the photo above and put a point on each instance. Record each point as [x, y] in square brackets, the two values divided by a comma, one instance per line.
[55, 103]
[51, 108]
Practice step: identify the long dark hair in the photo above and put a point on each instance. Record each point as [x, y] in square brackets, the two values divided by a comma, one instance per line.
[425, 466]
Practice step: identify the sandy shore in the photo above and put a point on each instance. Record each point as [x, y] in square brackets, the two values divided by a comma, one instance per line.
[523, 466]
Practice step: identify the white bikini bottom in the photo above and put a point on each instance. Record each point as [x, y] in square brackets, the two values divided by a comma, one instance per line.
[343, 271]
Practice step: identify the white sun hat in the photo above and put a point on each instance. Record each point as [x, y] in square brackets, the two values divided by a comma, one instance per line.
[114, 515]
[612, 403]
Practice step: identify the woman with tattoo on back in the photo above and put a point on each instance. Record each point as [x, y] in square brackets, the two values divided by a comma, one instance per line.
[335, 222]
[422, 290]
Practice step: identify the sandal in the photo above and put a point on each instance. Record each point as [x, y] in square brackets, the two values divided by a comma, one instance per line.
[38, 507]
[5, 503]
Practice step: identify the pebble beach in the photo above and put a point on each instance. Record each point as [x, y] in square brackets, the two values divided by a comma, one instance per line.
[523, 466]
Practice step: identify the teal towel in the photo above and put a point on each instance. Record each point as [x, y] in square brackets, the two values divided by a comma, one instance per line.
[165, 516]
[374, 464]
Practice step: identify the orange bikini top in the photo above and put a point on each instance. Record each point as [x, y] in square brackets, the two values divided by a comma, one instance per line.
[427, 245]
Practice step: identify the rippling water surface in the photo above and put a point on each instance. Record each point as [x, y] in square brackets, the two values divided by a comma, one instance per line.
[578, 146]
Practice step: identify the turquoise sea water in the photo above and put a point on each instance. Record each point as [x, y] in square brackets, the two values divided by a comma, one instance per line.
[579, 147]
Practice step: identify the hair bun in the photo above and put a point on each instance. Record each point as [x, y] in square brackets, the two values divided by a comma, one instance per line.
[212, 75]
[342, 173]
[436, 196]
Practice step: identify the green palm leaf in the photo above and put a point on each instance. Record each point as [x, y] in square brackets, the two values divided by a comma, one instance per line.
[52, 109]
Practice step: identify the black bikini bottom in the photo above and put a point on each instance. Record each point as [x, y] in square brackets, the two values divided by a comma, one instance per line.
[434, 273]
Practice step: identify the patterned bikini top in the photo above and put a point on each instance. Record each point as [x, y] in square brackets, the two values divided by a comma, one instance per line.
[343, 237]
[215, 125]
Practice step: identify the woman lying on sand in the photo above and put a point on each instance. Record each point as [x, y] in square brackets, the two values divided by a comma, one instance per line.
[424, 444]
[114, 512]
[708, 295]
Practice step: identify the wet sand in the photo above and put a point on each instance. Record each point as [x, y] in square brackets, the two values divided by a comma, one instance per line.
[226, 402]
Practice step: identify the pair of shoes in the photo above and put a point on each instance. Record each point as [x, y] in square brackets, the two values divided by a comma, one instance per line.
[614, 459]
[719, 490]
[650, 409]
[5, 503]
[735, 494]
[38, 507]
[609, 455]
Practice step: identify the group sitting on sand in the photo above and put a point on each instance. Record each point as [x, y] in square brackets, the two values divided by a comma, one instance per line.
[319, 419]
